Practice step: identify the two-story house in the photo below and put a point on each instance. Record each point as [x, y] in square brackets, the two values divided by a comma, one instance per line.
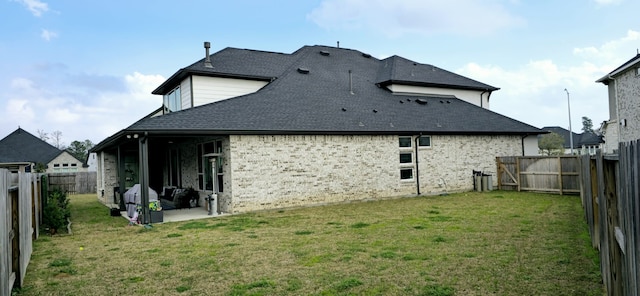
[624, 104]
[583, 143]
[322, 124]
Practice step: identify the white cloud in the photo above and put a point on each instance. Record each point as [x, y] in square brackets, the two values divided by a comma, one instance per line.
[611, 52]
[78, 112]
[19, 110]
[422, 17]
[533, 92]
[36, 7]
[48, 35]
[607, 2]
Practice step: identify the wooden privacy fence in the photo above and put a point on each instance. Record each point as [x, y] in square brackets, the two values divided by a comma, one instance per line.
[558, 174]
[611, 200]
[73, 183]
[20, 216]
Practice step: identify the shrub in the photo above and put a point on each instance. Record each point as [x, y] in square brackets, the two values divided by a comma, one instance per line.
[56, 211]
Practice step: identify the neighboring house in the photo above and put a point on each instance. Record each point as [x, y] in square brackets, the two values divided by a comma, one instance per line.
[584, 143]
[92, 162]
[269, 130]
[21, 151]
[624, 104]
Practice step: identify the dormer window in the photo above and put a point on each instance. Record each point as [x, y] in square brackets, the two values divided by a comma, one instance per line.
[172, 101]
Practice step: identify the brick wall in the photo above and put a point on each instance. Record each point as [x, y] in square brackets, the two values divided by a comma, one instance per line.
[285, 171]
[628, 93]
[106, 176]
[266, 172]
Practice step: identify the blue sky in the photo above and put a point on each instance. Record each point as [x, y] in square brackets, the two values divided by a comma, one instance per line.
[87, 68]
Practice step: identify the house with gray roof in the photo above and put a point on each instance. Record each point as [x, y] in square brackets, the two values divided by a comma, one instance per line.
[624, 104]
[583, 143]
[266, 130]
[21, 151]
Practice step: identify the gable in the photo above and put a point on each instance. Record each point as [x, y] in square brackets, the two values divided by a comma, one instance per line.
[21, 146]
[212, 89]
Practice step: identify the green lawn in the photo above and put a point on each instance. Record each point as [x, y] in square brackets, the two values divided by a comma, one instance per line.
[496, 243]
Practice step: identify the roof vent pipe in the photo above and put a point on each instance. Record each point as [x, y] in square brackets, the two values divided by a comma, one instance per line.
[207, 59]
[350, 83]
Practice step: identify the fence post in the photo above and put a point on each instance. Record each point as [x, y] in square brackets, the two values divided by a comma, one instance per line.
[518, 173]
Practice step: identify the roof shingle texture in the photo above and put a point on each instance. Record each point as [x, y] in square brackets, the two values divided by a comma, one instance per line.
[21, 146]
[341, 93]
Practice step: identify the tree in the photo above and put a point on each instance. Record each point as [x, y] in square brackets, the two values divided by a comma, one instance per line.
[551, 144]
[40, 167]
[56, 139]
[587, 125]
[43, 135]
[80, 150]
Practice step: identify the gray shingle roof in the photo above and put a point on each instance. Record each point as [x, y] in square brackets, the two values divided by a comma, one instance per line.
[21, 146]
[630, 63]
[585, 138]
[397, 69]
[321, 101]
[234, 62]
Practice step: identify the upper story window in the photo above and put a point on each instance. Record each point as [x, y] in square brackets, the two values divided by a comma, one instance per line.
[172, 101]
[404, 142]
[424, 141]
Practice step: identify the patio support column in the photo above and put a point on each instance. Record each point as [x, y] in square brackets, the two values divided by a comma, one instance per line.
[143, 144]
[121, 180]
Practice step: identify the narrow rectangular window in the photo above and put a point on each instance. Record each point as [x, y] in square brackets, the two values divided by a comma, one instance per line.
[424, 141]
[205, 171]
[173, 168]
[406, 158]
[406, 174]
[405, 142]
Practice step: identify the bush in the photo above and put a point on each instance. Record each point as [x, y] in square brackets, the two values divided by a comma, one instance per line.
[56, 211]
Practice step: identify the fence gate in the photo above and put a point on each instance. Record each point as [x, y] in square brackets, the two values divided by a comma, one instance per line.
[558, 174]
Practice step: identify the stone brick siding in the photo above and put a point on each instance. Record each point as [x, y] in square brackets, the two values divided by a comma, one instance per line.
[106, 176]
[189, 170]
[287, 171]
[628, 93]
[448, 165]
[611, 137]
[267, 172]
[61, 160]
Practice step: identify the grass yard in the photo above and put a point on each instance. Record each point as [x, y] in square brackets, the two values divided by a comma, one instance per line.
[495, 243]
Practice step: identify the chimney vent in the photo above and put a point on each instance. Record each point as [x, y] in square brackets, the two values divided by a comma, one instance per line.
[207, 60]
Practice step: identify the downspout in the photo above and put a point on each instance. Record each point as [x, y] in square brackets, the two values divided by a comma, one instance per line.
[522, 143]
[484, 91]
[417, 166]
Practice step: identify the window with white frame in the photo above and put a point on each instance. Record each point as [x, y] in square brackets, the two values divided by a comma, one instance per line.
[172, 101]
[424, 141]
[406, 157]
[404, 142]
[406, 174]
